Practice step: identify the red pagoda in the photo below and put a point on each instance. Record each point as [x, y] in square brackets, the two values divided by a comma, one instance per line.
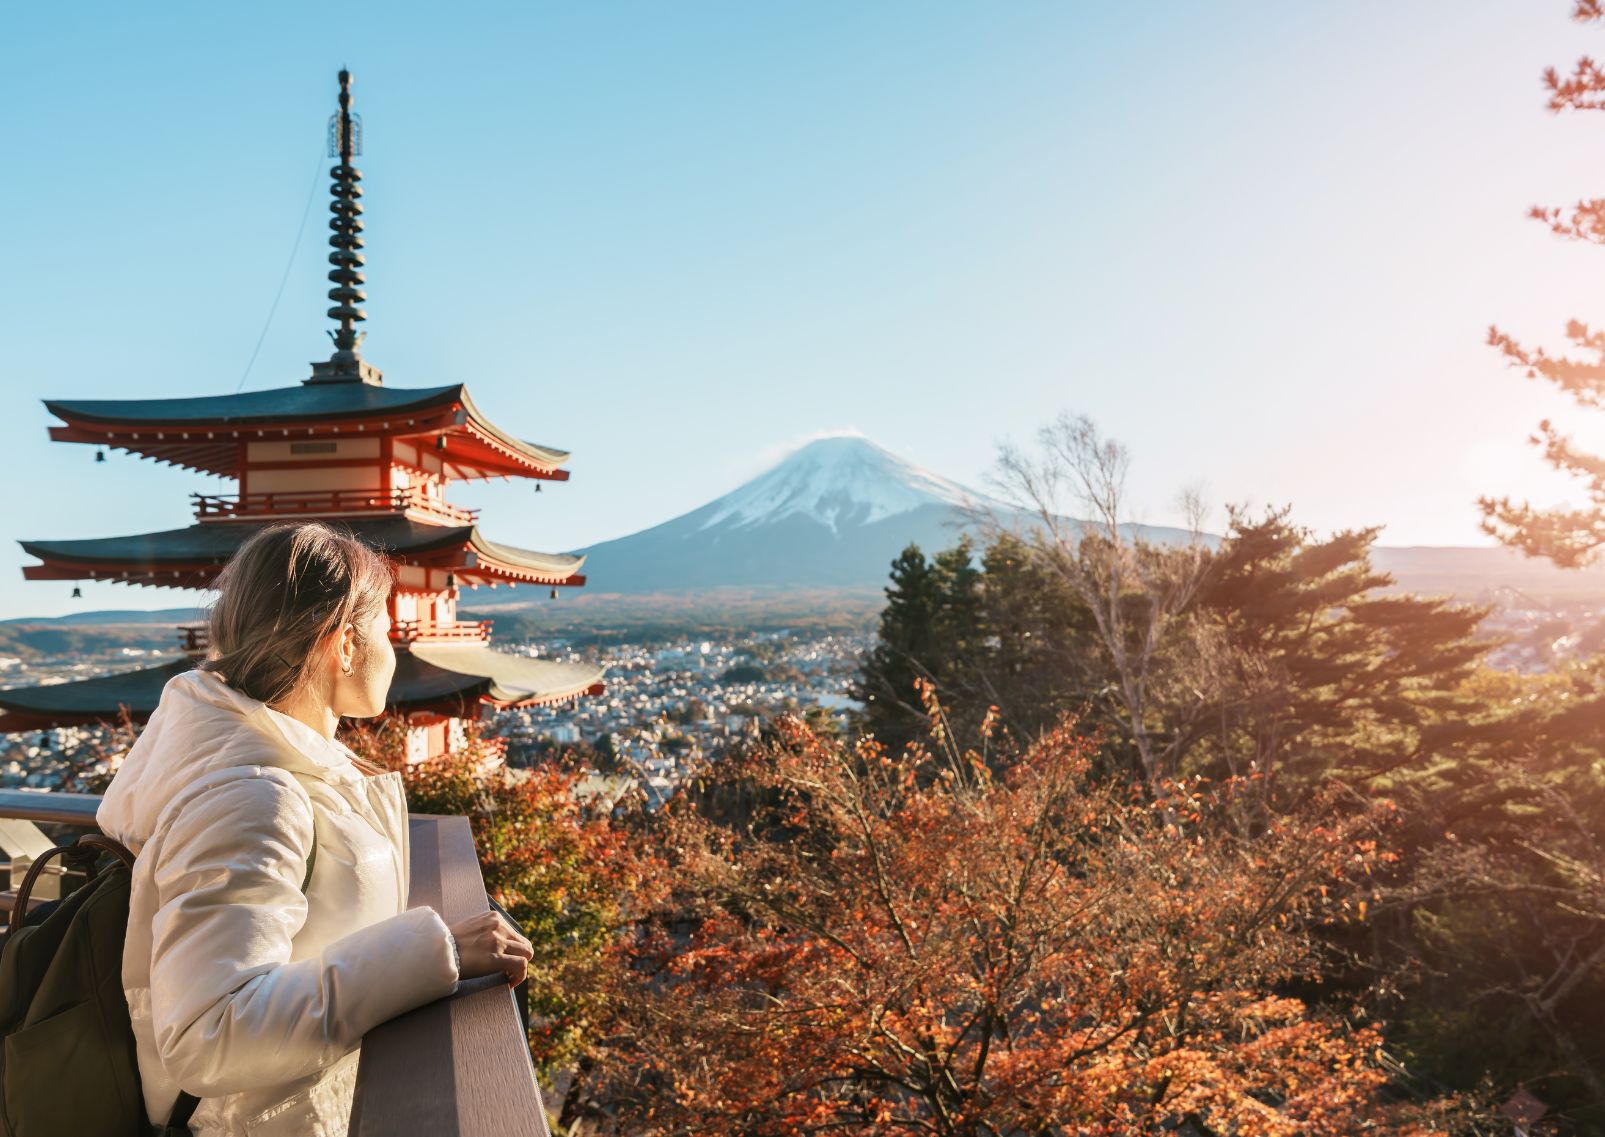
[340, 447]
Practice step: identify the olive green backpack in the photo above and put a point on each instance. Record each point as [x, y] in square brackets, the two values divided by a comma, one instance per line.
[68, 1066]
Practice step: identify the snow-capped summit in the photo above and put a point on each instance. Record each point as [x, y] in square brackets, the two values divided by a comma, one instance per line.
[835, 511]
[839, 481]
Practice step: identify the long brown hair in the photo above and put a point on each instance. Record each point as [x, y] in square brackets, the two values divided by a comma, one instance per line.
[289, 586]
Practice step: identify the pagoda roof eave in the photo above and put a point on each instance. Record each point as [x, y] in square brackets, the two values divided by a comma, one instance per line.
[542, 457]
[461, 670]
[85, 701]
[524, 565]
[426, 678]
[272, 406]
[203, 432]
[191, 557]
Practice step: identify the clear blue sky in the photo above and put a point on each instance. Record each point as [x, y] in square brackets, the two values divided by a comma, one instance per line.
[1259, 242]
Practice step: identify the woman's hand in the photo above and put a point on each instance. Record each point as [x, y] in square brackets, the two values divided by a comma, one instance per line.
[488, 944]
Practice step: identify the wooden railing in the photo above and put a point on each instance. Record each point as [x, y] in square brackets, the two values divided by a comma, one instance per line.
[193, 638]
[224, 507]
[63, 809]
[470, 631]
[457, 1066]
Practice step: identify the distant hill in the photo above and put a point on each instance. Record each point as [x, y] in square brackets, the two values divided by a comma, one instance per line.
[582, 615]
[164, 616]
[1488, 575]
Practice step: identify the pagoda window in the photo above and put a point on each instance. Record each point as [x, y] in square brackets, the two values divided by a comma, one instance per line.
[406, 607]
[411, 576]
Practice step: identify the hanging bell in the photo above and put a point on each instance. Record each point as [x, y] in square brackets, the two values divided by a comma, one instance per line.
[100, 455]
[77, 593]
[537, 487]
[554, 593]
[440, 443]
[451, 580]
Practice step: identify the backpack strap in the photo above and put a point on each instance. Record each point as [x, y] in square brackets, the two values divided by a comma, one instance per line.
[80, 856]
[312, 858]
[178, 1121]
[19, 905]
[106, 844]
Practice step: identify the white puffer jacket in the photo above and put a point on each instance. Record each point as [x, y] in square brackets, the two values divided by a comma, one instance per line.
[242, 990]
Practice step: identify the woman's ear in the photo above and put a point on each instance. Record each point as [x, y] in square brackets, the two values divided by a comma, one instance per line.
[347, 650]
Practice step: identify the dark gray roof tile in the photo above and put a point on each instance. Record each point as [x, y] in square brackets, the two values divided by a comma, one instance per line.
[279, 404]
[215, 542]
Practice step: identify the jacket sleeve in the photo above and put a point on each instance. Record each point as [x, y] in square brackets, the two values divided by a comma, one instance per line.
[230, 1011]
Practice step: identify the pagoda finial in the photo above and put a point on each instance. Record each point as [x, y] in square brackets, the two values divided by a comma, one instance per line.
[345, 240]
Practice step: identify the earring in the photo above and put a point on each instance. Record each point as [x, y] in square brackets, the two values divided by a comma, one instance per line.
[346, 669]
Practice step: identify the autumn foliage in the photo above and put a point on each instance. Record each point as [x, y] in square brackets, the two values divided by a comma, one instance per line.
[989, 942]
[562, 870]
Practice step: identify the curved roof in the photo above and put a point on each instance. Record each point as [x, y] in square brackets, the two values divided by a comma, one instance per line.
[279, 404]
[427, 676]
[87, 700]
[203, 432]
[463, 670]
[194, 554]
[543, 454]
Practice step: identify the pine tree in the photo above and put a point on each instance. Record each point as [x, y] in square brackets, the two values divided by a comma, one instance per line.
[902, 652]
[960, 618]
[1041, 656]
[1322, 674]
[932, 628]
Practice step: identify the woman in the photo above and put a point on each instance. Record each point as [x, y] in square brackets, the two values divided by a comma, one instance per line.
[244, 990]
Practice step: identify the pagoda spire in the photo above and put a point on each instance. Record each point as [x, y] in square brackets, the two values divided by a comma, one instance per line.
[346, 365]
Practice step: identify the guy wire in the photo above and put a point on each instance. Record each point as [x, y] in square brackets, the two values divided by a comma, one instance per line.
[295, 247]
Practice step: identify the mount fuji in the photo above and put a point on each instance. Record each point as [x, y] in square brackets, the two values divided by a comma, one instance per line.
[833, 513]
[836, 512]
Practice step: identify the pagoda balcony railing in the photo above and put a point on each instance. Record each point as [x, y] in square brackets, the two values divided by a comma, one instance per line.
[460, 1065]
[424, 631]
[328, 503]
[195, 640]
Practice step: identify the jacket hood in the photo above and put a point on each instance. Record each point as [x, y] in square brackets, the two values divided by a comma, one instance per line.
[202, 725]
